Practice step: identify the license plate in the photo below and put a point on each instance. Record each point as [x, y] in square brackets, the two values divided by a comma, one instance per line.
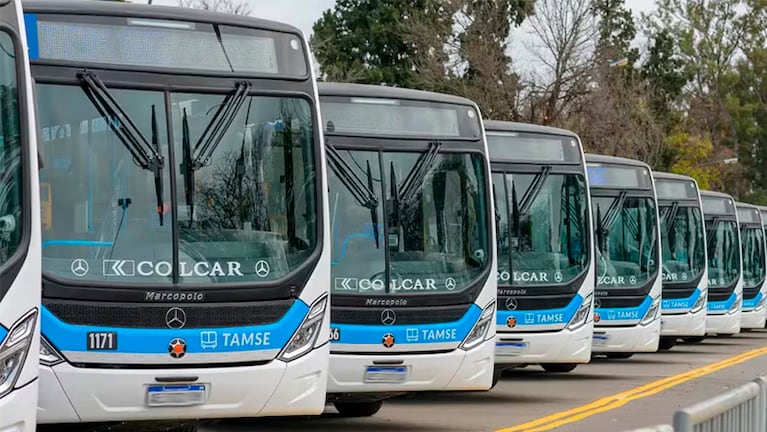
[511, 348]
[386, 374]
[175, 395]
[600, 340]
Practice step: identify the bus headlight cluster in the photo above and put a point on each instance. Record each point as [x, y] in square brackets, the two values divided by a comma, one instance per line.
[478, 333]
[49, 356]
[735, 305]
[699, 303]
[651, 313]
[305, 337]
[760, 305]
[581, 317]
[14, 349]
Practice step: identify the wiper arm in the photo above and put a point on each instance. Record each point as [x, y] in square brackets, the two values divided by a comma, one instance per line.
[671, 216]
[146, 155]
[612, 211]
[534, 189]
[710, 232]
[186, 163]
[418, 173]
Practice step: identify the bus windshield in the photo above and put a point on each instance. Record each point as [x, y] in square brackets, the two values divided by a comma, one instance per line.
[244, 177]
[723, 252]
[752, 242]
[625, 229]
[682, 235]
[541, 229]
[408, 237]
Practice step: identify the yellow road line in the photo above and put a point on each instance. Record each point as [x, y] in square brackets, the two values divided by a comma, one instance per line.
[617, 400]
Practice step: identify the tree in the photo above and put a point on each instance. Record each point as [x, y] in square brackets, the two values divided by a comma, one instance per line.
[235, 7]
[616, 31]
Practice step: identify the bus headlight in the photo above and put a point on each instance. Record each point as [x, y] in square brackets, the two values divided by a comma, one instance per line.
[49, 356]
[581, 317]
[304, 338]
[651, 313]
[14, 349]
[760, 305]
[699, 303]
[735, 305]
[478, 333]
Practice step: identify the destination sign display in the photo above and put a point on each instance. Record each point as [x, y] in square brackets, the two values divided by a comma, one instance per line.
[675, 189]
[516, 147]
[617, 177]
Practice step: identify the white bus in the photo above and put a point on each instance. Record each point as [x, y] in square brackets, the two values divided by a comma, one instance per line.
[725, 266]
[628, 287]
[684, 268]
[185, 272]
[414, 261]
[545, 247]
[19, 229]
[752, 248]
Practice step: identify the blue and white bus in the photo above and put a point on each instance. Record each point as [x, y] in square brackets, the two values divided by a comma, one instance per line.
[545, 253]
[185, 273]
[725, 265]
[752, 246]
[627, 237]
[19, 229]
[683, 248]
[414, 260]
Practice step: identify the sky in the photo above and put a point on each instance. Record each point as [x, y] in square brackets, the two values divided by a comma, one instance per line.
[303, 14]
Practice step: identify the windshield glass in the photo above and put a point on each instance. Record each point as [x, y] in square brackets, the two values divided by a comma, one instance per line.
[683, 243]
[110, 220]
[10, 154]
[723, 253]
[544, 243]
[437, 234]
[626, 240]
[752, 242]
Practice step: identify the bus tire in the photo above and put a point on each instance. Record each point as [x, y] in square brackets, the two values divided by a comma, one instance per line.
[559, 367]
[694, 339]
[619, 355]
[666, 344]
[358, 409]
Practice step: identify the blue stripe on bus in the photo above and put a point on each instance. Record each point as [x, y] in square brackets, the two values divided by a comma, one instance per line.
[3, 334]
[70, 337]
[677, 304]
[30, 22]
[76, 243]
[750, 304]
[541, 316]
[721, 306]
[624, 314]
[364, 334]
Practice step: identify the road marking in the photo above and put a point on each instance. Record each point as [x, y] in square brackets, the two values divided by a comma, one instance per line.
[618, 400]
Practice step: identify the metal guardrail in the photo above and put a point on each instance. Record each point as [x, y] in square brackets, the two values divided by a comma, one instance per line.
[742, 409]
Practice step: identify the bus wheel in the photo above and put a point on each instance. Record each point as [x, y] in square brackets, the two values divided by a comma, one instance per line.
[358, 409]
[558, 367]
[666, 343]
[694, 339]
[619, 355]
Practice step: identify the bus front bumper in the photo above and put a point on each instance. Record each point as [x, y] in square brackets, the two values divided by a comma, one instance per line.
[633, 339]
[454, 370]
[684, 325]
[17, 409]
[561, 347]
[723, 324]
[72, 395]
[753, 319]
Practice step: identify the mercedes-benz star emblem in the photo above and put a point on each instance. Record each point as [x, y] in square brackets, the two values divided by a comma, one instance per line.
[175, 318]
[79, 267]
[450, 284]
[511, 303]
[388, 317]
[597, 303]
[262, 268]
[177, 348]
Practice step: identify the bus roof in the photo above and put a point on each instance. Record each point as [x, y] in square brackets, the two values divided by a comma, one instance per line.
[672, 176]
[746, 205]
[507, 126]
[376, 91]
[597, 158]
[712, 194]
[134, 10]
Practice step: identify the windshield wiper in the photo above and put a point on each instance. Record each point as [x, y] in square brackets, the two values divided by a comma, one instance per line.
[710, 232]
[671, 216]
[418, 173]
[210, 138]
[612, 212]
[146, 155]
[534, 189]
[361, 193]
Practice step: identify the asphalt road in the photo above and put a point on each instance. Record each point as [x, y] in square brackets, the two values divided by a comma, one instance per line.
[531, 400]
